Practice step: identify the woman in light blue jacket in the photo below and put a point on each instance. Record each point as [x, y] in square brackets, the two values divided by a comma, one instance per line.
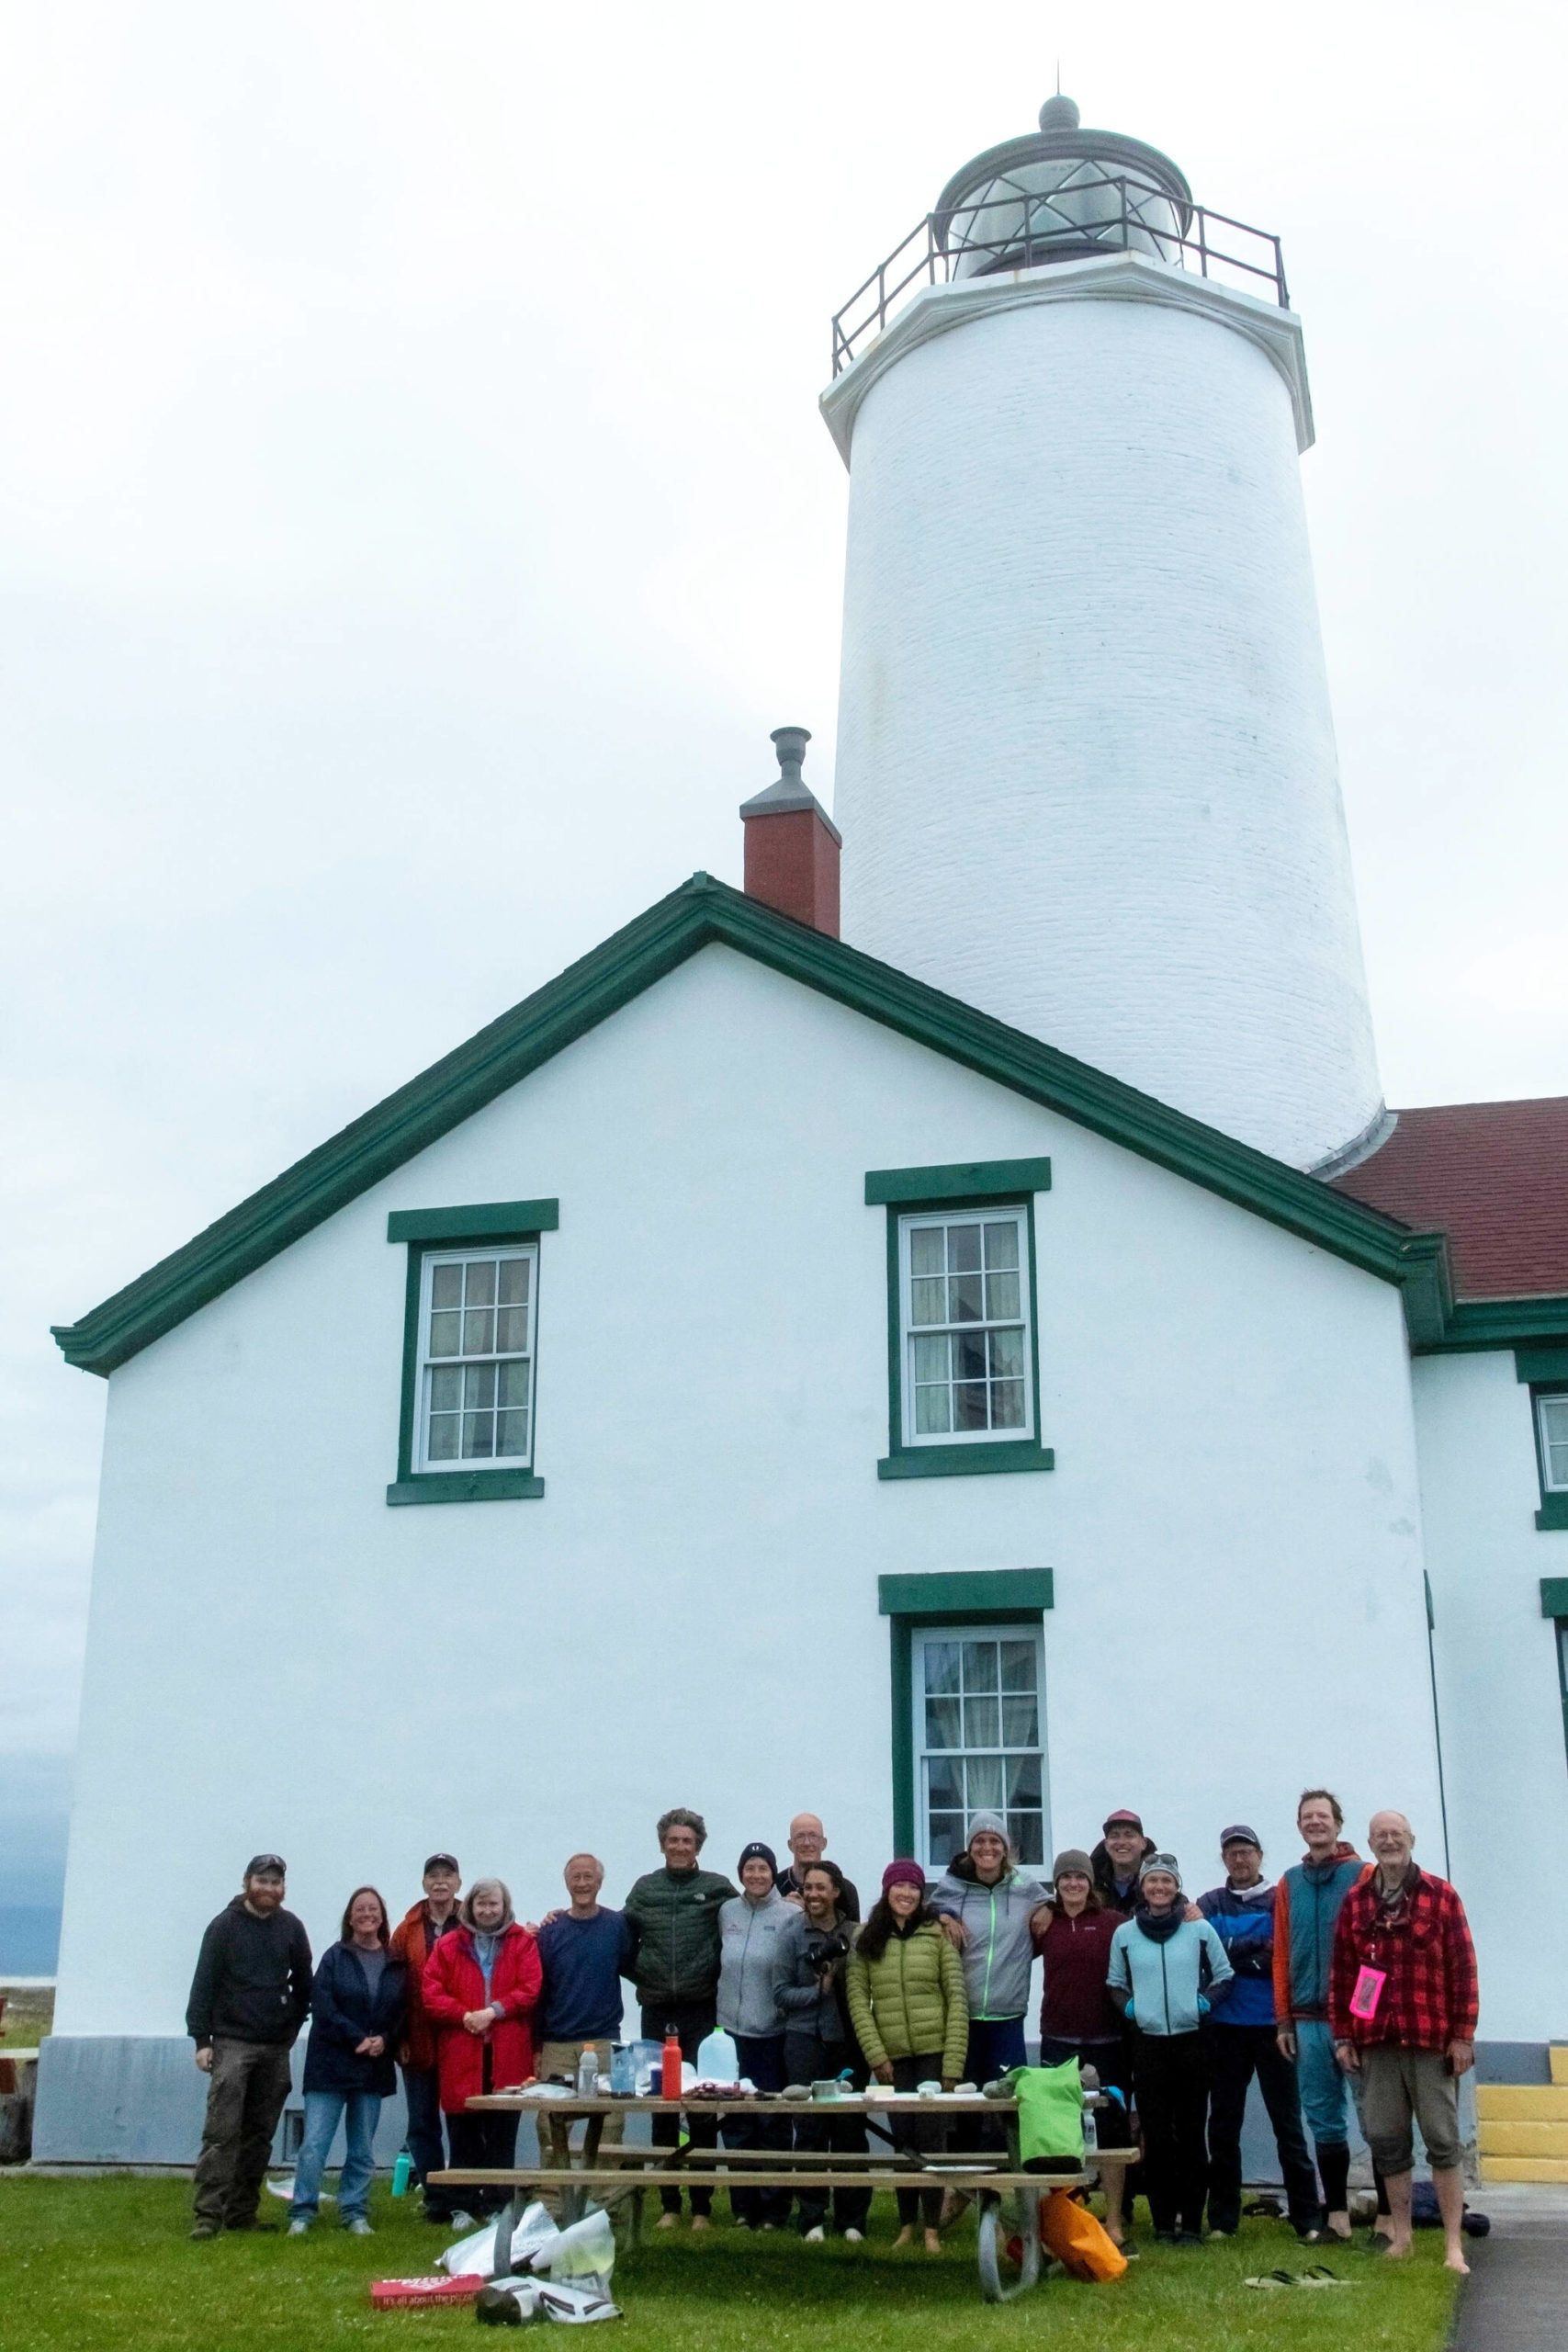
[1164, 1969]
[749, 1927]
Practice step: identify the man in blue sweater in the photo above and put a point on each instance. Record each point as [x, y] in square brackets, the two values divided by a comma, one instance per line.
[1243, 2043]
[583, 1952]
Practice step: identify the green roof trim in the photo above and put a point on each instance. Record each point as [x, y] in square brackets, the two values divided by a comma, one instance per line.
[957, 1592]
[961, 1182]
[704, 913]
[485, 1221]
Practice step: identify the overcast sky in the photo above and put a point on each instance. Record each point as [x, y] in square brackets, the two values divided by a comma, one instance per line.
[414, 516]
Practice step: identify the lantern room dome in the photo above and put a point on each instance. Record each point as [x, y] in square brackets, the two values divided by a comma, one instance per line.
[1059, 193]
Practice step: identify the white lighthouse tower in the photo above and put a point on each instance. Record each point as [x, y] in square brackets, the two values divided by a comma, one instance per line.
[1086, 766]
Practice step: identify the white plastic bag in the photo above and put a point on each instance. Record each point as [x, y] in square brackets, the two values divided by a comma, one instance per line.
[474, 2257]
[585, 2250]
[575, 2304]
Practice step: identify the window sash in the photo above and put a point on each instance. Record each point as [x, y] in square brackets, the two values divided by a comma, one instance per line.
[1551, 1428]
[964, 1335]
[475, 1367]
[978, 1698]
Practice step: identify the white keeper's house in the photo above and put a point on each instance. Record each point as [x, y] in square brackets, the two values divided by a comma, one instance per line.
[998, 1350]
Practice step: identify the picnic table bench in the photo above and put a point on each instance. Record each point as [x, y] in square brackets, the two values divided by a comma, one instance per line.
[1008, 2199]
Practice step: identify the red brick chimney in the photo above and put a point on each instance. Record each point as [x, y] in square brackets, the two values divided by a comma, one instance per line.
[792, 843]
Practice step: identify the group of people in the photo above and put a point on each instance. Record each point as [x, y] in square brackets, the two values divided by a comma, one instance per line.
[1346, 1979]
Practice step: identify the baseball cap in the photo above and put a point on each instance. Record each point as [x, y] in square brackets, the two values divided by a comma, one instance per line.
[266, 1866]
[1238, 1834]
[1124, 1814]
[442, 1862]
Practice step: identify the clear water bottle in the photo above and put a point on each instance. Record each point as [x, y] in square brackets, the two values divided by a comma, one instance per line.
[588, 2073]
[1090, 2128]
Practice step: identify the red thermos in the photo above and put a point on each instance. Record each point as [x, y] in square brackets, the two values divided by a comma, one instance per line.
[669, 2084]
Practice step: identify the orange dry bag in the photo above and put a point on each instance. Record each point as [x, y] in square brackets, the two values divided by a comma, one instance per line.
[1073, 2236]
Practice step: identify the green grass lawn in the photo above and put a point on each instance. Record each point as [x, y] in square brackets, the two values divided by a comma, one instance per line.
[29, 2013]
[106, 2263]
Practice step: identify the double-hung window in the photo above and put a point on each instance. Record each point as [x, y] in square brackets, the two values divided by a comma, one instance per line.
[978, 1736]
[1551, 1436]
[1544, 1369]
[963, 1347]
[468, 1429]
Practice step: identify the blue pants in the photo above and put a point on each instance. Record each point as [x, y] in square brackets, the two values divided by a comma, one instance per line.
[359, 2111]
[761, 2059]
[1326, 2093]
[422, 2089]
[996, 2047]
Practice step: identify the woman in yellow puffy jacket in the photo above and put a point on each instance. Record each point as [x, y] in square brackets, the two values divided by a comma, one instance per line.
[904, 1982]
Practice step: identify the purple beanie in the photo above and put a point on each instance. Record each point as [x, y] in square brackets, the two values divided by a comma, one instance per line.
[903, 1874]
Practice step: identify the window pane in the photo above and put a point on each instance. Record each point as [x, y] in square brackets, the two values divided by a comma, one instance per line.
[928, 1302]
[980, 1723]
[968, 1355]
[966, 1299]
[479, 1387]
[444, 1334]
[930, 1358]
[511, 1331]
[944, 1784]
[1019, 1722]
[983, 1775]
[946, 1838]
[443, 1444]
[512, 1434]
[979, 1666]
[963, 1249]
[513, 1284]
[941, 1666]
[479, 1436]
[1001, 1244]
[479, 1334]
[941, 1724]
[1027, 1832]
[931, 1412]
[1017, 1666]
[1023, 1780]
[1001, 1297]
[926, 1253]
[446, 1286]
[479, 1282]
[969, 1407]
[1007, 1405]
[1007, 1355]
[1553, 1413]
[445, 1391]
[511, 1384]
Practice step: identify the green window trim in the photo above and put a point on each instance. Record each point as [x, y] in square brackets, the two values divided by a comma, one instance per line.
[1546, 1370]
[958, 1184]
[1541, 1366]
[977, 1596]
[484, 1221]
[494, 1223]
[979, 1456]
[1552, 1516]
[1554, 1595]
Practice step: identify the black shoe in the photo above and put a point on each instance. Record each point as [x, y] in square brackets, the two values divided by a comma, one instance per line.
[1222, 2230]
[1190, 2237]
[254, 2228]
[205, 2229]
[1166, 2237]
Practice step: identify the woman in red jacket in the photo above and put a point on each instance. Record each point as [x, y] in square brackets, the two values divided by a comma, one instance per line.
[480, 1987]
[1077, 2017]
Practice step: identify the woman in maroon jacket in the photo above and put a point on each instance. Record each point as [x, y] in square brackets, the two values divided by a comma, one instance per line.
[1077, 2017]
[480, 1988]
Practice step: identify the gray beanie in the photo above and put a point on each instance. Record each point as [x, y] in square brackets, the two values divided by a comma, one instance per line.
[1074, 1858]
[1166, 1863]
[991, 1821]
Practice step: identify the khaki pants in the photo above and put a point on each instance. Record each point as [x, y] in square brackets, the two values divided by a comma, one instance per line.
[1403, 2086]
[245, 2092]
[555, 2131]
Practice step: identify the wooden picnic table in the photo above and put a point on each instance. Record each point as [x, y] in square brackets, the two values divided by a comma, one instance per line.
[1007, 2198]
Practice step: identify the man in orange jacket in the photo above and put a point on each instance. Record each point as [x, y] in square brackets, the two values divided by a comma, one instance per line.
[413, 1940]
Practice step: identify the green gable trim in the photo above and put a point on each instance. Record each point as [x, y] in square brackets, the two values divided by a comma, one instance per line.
[1543, 1365]
[965, 1461]
[466, 1487]
[974, 1596]
[1552, 1516]
[704, 913]
[1554, 1595]
[487, 1221]
[1015, 1591]
[1496, 1323]
[958, 1184]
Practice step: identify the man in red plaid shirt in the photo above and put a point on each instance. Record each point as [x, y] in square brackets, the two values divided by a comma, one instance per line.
[1402, 2005]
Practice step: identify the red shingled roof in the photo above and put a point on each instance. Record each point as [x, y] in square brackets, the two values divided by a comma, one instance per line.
[1494, 1177]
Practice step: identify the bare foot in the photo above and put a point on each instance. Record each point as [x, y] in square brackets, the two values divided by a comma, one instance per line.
[1340, 2226]
[668, 2222]
[933, 2241]
[1454, 2260]
[701, 2222]
[1399, 2249]
[905, 2237]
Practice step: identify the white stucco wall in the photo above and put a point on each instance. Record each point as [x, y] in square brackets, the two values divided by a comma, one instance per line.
[1087, 775]
[1500, 1702]
[276, 1659]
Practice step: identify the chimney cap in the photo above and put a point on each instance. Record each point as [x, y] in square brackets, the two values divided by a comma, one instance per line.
[787, 791]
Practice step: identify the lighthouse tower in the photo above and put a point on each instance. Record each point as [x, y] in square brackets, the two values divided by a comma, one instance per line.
[1086, 765]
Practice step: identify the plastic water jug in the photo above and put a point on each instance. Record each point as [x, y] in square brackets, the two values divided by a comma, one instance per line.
[718, 2059]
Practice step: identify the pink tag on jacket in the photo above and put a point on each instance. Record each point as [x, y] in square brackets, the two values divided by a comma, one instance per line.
[1368, 1992]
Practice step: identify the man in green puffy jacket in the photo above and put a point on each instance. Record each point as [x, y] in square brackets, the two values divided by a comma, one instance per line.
[673, 1916]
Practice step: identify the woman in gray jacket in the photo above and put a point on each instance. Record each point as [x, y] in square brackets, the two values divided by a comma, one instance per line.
[986, 1902]
[750, 1925]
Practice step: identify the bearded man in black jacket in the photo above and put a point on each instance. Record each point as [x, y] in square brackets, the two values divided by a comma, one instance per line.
[249, 1997]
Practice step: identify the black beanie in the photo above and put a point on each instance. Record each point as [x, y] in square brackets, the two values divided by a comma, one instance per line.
[758, 1852]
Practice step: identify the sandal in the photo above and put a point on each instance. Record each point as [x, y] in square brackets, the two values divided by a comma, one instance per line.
[1272, 2278]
